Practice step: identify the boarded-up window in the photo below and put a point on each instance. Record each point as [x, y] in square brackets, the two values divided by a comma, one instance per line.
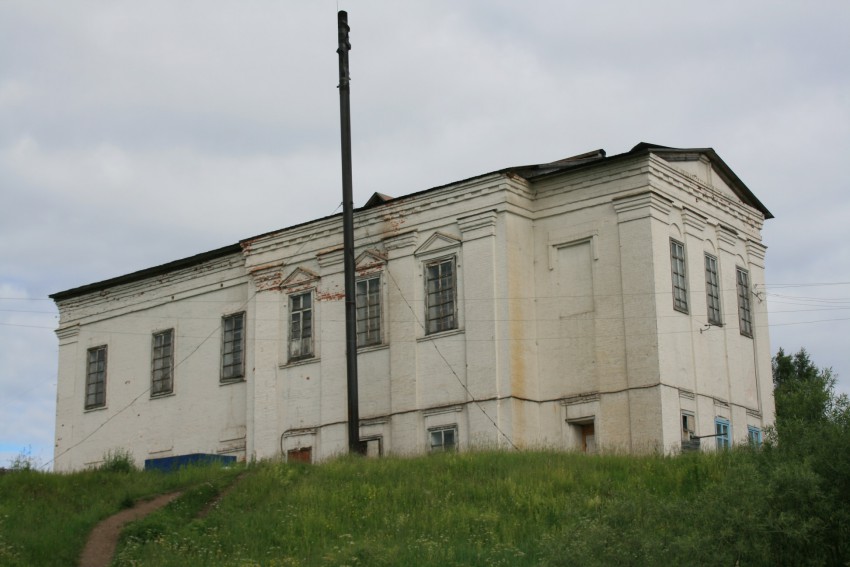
[588, 438]
[300, 455]
[575, 279]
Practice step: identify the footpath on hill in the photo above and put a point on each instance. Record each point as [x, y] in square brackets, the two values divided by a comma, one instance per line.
[100, 547]
[103, 539]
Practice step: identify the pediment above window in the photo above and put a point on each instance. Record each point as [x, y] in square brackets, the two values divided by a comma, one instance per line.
[370, 259]
[299, 277]
[438, 242]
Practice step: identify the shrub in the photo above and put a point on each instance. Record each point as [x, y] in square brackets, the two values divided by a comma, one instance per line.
[118, 461]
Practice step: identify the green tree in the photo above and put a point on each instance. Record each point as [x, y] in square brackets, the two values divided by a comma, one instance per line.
[804, 393]
[810, 477]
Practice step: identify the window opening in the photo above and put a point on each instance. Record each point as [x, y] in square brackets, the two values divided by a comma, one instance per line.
[721, 432]
[440, 296]
[745, 317]
[712, 291]
[754, 436]
[368, 301]
[301, 326]
[680, 287]
[96, 378]
[444, 439]
[690, 442]
[162, 367]
[233, 347]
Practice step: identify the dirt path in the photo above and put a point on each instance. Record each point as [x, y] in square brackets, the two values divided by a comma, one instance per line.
[103, 539]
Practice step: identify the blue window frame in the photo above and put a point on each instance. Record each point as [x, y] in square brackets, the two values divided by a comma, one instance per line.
[754, 435]
[722, 433]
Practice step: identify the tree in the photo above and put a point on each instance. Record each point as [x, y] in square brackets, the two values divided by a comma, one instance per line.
[804, 393]
[813, 435]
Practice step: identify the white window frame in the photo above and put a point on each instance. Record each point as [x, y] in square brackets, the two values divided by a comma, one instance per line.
[712, 291]
[301, 347]
[437, 438]
[679, 277]
[162, 363]
[369, 308]
[233, 347]
[96, 359]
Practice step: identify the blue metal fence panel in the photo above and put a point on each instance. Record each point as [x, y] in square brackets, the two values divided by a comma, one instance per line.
[167, 464]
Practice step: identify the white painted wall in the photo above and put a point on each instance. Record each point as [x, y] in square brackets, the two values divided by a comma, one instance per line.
[565, 318]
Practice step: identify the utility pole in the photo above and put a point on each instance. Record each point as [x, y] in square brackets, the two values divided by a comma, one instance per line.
[354, 444]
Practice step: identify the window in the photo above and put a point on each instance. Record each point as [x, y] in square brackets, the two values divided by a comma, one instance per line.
[689, 427]
[754, 436]
[721, 433]
[163, 363]
[712, 291]
[368, 300]
[443, 439]
[440, 296]
[301, 326]
[745, 316]
[680, 286]
[233, 347]
[96, 378]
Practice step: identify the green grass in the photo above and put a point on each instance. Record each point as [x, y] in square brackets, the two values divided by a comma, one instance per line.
[531, 508]
[45, 518]
[488, 508]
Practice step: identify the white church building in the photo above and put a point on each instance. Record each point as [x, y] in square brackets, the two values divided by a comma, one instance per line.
[589, 304]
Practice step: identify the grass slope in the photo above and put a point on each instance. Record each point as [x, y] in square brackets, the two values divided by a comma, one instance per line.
[490, 508]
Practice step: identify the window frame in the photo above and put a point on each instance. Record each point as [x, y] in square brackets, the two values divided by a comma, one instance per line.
[100, 374]
[169, 367]
[310, 351]
[754, 436]
[443, 322]
[441, 431]
[373, 311]
[679, 275]
[723, 432]
[714, 311]
[228, 337]
[745, 311]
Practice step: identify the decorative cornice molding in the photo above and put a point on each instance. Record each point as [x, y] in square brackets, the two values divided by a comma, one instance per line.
[478, 226]
[401, 240]
[642, 205]
[756, 253]
[268, 277]
[68, 335]
[580, 398]
[694, 222]
[727, 239]
[330, 256]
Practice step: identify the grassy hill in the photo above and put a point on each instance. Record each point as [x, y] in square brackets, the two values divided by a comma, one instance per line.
[489, 508]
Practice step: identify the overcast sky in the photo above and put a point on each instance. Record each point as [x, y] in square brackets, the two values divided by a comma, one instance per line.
[136, 133]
